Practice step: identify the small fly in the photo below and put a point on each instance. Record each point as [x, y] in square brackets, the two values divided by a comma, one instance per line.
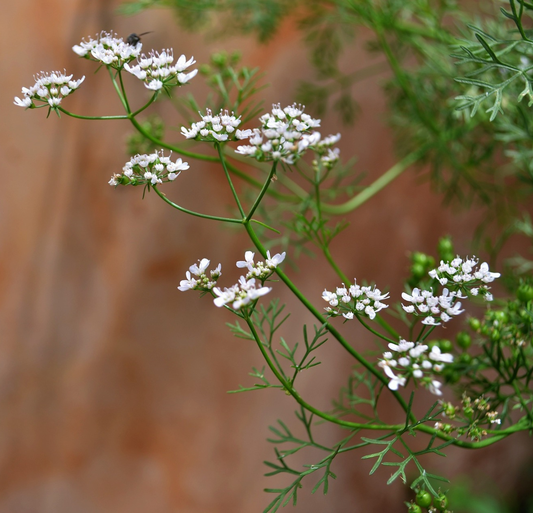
[133, 39]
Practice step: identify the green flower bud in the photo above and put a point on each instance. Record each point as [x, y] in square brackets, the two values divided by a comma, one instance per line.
[475, 324]
[423, 498]
[525, 293]
[418, 270]
[445, 247]
[445, 346]
[441, 502]
[463, 339]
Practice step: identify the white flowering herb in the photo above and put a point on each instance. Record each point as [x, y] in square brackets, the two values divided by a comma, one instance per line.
[492, 362]
[465, 275]
[159, 71]
[152, 169]
[221, 127]
[434, 310]
[260, 270]
[285, 135]
[197, 278]
[240, 295]
[414, 360]
[355, 300]
[108, 49]
[49, 90]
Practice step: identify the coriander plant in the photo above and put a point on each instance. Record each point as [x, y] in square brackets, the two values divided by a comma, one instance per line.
[291, 207]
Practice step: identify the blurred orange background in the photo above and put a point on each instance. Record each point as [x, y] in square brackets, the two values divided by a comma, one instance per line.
[112, 383]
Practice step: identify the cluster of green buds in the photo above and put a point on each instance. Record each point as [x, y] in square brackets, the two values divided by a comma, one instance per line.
[425, 501]
[512, 325]
[473, 417]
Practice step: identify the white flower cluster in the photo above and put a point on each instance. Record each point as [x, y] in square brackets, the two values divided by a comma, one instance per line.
[328, 156]
[149, 169]
[202, 281]
[433, 309]
[284, 135]
[260, 270]
[157, 71]
[240, 294]
[412, 359]
[109, 49]
[355, 300]
[214, 128]
[49, 88]
[466, 275]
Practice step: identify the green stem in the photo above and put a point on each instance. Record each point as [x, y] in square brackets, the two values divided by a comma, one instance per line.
[119, 91]
[262, 192]
[529, 413]
[387, 339]
[78, 116]
[124, 95]
[192, 213]
[499, 435]
[228, 178]
[370, 191]
[150, 101]
[334, 265]
[287, 386]
[324, 322]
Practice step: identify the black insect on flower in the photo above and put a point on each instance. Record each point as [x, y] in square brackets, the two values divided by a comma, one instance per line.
[133, 38]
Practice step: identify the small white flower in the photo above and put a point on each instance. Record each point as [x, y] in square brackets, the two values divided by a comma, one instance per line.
[404, 361]
[418, 350]
[402, 346]
[395, 381]
[430, 321]
[199, 269]
[154, 85]
[183, 78]
[25, 102]
[437, 356]
[434, 387]
[240, 294]
[274, 261]
[188, 284]
[248, 261]
[330, 297]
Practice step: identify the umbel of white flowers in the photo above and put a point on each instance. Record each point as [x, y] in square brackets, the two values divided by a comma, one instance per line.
[245, 291]
[152, 169]
[407, 359]
[49, 88]
[354, 300]
[412, 359]
[157, 69]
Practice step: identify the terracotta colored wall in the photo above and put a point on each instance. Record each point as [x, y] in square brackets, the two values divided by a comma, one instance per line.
[112, 384]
